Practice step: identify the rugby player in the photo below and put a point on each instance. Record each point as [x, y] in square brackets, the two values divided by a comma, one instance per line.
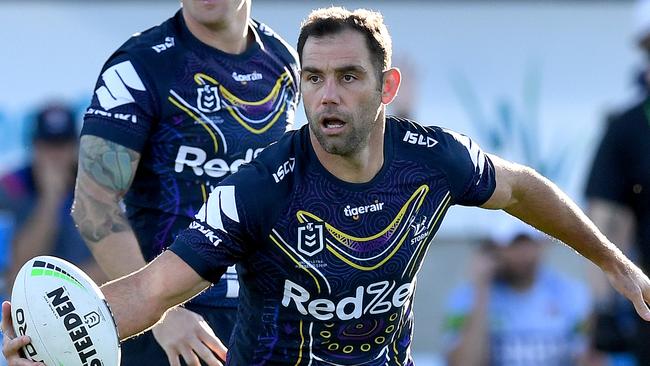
[329, 226]
[176, 109]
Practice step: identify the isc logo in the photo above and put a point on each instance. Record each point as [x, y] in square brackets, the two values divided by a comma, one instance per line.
[375, 298]
[284, 169]
[418, 139]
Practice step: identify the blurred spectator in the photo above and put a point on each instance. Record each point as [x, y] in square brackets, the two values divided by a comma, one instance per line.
[618, 190]
[516, 310]
[39, 195]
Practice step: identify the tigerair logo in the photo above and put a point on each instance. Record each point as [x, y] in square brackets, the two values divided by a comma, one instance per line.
[376, 298]
[355, 212]
[244, 78]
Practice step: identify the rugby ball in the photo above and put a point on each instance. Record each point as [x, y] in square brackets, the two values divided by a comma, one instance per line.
[64, 313]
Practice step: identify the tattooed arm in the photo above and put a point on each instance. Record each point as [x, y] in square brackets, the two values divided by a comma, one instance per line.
[106, 171]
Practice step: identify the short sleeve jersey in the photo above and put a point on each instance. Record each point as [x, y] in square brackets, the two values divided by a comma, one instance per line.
[621, 170]
[328, 268]
[545, 325]
[195, 114]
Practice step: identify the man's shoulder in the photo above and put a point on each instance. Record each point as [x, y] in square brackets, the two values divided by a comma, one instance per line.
[624, 117]
[159, 40]
[278, 44]
[274, 165]
[428, 140]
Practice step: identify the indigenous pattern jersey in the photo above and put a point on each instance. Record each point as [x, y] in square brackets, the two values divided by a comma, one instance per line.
[195, 114]
[328, 268]
[545, 325]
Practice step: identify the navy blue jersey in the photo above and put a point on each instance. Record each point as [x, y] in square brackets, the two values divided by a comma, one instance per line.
[195, 114]
[328, 268]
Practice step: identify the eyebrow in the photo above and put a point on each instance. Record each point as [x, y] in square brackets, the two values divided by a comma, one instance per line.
[339, 70]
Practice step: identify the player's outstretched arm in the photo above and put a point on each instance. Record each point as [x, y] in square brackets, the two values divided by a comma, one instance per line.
[140, 299]
[526, 194]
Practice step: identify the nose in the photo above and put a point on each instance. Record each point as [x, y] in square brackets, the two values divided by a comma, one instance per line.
[330, 93]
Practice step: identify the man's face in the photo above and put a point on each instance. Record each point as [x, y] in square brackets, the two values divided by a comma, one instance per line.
[212, 12]
[341, 93]
[519, 260]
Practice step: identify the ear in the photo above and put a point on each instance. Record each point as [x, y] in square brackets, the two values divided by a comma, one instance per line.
[391, 82]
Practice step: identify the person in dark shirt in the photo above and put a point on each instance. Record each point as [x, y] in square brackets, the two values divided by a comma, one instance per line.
[38, 196]
[330, 225]
[176, 109]
[618, 191]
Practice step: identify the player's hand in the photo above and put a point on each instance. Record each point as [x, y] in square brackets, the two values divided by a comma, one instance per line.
[631, 282]
[186, 334]
[11, 344]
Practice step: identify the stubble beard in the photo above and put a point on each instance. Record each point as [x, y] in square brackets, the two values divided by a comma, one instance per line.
[352, 141]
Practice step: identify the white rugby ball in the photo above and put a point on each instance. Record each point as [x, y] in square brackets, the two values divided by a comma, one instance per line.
[64, 313]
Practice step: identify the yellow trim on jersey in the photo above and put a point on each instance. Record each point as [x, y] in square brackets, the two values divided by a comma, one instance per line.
[396, 353]
[302, 343]
[418, 195]
[275, 91]
[204, 193]
[441, 211]
[295, 261]
[421, 191]
[197, 119]
[200, 78]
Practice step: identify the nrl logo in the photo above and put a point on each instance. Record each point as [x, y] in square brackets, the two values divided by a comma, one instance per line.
[310, 238]
[208, 99]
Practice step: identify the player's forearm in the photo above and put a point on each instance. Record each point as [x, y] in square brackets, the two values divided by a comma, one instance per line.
[140, 299]
[106, 171]
[542, 204]
[131, 305]
[473, 346]
[108, 234]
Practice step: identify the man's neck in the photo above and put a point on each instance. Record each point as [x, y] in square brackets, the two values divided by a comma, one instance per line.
[230, 37]
[359, 167]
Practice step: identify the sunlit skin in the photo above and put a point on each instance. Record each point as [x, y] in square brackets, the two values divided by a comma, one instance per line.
[221, 24]
[345, 104]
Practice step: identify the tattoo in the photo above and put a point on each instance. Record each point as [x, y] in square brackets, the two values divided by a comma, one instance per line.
[106, 171]
[96, 219]
[107, 163]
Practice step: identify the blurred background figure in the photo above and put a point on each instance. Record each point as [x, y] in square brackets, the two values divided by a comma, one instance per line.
[516, 310]
[405, 103]
[618, 192]
[37, 197]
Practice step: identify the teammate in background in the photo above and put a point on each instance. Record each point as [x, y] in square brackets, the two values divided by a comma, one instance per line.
[618, 190]
[39, 195]
[176, 109]
[516, 310]
[330, 225]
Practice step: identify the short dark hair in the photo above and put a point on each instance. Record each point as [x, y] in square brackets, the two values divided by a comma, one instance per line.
[332, 20]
